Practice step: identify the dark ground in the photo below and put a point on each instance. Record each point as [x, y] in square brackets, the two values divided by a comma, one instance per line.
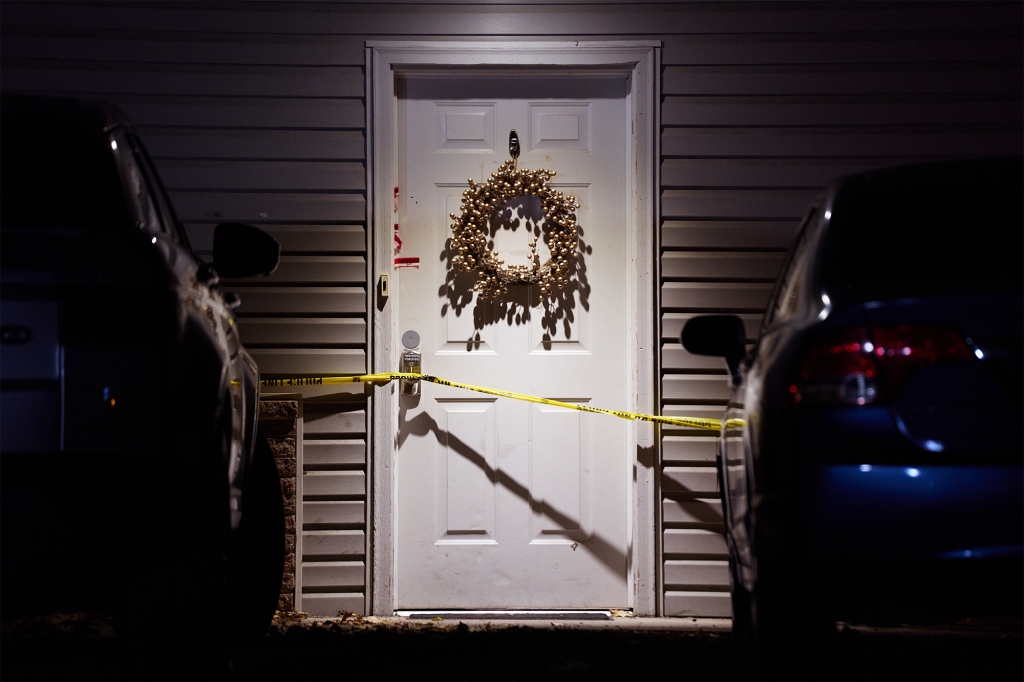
[79, 646]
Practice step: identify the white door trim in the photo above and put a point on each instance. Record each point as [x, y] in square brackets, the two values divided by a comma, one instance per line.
[642, 61]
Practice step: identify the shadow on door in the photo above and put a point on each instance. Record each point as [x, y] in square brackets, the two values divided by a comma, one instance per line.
[423, 424]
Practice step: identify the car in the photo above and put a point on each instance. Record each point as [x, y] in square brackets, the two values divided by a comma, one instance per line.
[133, 472]
[871, 454]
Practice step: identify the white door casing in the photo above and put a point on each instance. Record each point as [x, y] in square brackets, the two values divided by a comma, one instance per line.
[638, 63]
[503, 504]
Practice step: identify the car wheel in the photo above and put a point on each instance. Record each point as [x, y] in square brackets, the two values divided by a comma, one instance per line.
[257, 547]
[788, 610]
[179, 574]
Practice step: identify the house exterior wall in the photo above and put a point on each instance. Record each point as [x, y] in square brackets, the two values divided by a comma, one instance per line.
[256, 112]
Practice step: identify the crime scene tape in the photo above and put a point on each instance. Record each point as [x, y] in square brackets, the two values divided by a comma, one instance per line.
[385, 378]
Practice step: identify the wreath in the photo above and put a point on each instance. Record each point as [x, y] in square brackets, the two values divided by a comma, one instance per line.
[470, 239]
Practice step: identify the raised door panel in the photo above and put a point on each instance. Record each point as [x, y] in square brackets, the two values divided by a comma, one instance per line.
[559, 464]
[465, 492]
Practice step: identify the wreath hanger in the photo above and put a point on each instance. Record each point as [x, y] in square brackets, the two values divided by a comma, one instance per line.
[480, 201]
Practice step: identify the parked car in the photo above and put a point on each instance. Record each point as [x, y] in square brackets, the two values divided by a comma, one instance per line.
[872, 467]
[132, 471]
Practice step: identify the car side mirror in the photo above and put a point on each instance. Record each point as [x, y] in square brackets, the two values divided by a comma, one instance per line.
[241, 250]
[721, 335]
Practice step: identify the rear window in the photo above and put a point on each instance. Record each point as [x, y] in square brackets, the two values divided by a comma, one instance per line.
[936, 230]
[57, 170]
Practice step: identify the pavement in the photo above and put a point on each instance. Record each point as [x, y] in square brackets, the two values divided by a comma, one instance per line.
[90, 646]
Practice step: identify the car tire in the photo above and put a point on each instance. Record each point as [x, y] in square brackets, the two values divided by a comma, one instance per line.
[788, 610]
[182, 577]
[742, 625]
[257, 547]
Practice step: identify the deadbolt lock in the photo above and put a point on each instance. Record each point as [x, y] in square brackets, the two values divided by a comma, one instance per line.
[410, 363]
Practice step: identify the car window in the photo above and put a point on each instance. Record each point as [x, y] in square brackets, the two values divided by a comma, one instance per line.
[140, 197]
[171, 222]
[789, 287]
[937, 231]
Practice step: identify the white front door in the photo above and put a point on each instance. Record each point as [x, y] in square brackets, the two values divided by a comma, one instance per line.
[505, 504]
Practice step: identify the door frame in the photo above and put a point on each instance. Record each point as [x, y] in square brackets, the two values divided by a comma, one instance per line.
[641, 61]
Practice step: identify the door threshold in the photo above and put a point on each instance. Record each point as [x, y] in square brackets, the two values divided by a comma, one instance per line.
[508, 614]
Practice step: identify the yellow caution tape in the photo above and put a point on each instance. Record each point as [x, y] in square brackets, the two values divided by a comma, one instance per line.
[381, 379]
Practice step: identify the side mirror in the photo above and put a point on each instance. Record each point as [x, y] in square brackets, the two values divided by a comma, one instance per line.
[241, 250]
[721, 335]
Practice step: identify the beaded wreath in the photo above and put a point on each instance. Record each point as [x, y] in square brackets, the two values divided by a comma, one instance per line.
[470, 239]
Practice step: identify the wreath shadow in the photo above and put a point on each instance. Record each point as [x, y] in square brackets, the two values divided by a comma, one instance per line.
[557, 310]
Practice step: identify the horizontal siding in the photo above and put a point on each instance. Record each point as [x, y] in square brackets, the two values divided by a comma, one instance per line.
[553, 20]
[309, 361]
[333, 576]
[703, 604]
[330, 421]
[697, 512]
[333, 507]
[697, 588]
[758, 204]
[296, 239]
[312, 270]
[703, 297]
[249, 207]
[727, 234]
[304, 176]
[332, 543]
[90, 78]
[335, 50]
[727, 48]
[689, 481]
[739, 111]
[765, 173]
[675, 358]
[333, 513]
[992, 44]
[319, 484]
[317, 331]
[205, 48]
[302, 301]
[691, 450]
[830, 79]
[329, 453]
[696, 387]
[334, 604]
[696, 574]
[154, 112]
[693, 543]
[892, 141]
[200, 144]
[711, 266]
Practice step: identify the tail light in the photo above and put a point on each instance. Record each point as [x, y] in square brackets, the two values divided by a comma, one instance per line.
[861, 365]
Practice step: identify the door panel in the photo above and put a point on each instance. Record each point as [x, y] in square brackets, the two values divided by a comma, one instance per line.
[467, 499]
[503, 504]
[562, 127]
[559, 463]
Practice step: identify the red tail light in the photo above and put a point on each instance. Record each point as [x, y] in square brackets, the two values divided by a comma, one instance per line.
[901, 350]
[861, 366]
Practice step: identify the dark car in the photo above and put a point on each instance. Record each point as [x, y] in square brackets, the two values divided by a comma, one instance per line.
[871, 462]
[132, 471]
